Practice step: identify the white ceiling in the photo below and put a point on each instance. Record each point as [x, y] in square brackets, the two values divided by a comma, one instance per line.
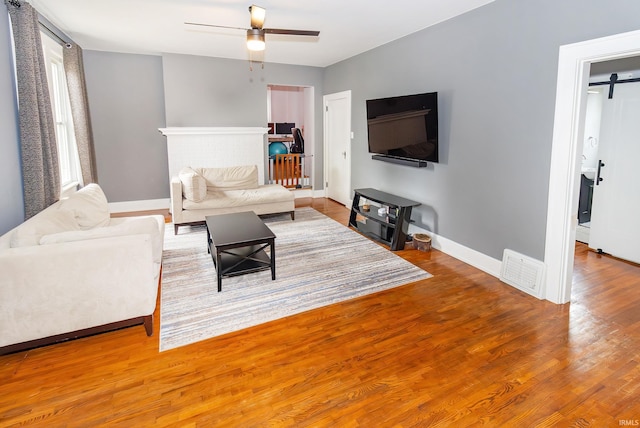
[347, 27]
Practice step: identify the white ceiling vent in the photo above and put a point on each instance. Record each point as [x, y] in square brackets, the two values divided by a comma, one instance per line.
[522, 272]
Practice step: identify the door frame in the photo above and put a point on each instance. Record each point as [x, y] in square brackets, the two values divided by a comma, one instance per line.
[309, 130]
[325, 100]
[574, 65]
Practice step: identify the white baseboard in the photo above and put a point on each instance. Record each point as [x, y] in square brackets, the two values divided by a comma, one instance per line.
[582, 234]
[303, 193]
[308, 193]
[320, 194]
[162, 204]
[146, 205]
[472, 257]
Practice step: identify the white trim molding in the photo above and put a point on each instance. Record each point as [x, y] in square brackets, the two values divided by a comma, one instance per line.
[134, 206]
[467, 255]
[164, 204]
[573, 77]
[464, 254]
[212, 130]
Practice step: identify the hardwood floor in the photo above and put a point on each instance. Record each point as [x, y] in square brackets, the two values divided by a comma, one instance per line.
[459, 349]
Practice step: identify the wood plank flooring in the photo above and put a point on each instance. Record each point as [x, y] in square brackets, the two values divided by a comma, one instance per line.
[460, 349]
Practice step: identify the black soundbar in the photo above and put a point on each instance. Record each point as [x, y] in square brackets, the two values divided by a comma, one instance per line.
[401, 161]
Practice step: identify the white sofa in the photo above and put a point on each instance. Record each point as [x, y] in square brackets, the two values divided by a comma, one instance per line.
[71, 271]
[200, 192]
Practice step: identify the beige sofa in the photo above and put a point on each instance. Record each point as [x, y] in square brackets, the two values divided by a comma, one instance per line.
[71, 270]
[199, 192]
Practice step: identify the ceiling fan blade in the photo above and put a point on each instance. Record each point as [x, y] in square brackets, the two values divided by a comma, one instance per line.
[291, 32]
[215, 26]
[257, 16]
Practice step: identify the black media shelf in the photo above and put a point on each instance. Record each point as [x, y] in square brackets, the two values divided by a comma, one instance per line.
[388, 229]
[376, 231]
[373, 215]
[401, 161]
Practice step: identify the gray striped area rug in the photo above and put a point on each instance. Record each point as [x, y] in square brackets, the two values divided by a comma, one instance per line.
[318, 262]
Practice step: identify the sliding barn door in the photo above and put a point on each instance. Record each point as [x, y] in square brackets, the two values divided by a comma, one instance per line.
[615, 215]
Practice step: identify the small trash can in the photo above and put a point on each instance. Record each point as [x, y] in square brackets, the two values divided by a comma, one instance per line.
[421, 242]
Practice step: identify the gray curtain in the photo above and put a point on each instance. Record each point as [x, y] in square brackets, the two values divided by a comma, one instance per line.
[40, 170]
[74, 70]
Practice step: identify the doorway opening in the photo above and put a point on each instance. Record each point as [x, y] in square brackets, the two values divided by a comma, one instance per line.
[571, 99]
[588, 162]
[610, 98]
[291, 142]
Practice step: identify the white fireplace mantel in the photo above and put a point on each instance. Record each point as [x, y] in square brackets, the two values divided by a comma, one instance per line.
[215, 147]
[217, 130]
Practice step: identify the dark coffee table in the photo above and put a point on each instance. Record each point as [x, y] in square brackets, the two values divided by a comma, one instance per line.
[237, 242]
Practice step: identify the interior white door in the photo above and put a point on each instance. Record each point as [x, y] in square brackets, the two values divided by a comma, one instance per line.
[616, 198]
[337, 144]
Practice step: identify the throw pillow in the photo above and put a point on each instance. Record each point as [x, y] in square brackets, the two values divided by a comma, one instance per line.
[194, 186]
[89, 206]
[48, 221]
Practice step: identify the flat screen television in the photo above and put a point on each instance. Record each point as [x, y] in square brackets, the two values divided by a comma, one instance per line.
[404, 127]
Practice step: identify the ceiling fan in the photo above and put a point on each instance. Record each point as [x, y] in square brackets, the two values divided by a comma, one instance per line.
[255, 34]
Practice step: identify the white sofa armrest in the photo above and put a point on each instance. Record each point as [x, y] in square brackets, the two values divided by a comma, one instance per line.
[46, 290]
[176, 199]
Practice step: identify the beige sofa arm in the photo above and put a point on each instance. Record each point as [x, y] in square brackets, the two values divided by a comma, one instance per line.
[47, 290]
[176, 199]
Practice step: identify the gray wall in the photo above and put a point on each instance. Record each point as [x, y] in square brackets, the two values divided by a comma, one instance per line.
[127, 106]
[131, 96]
[126, 103]
[202, 91]
[495, 70]
[12, 203]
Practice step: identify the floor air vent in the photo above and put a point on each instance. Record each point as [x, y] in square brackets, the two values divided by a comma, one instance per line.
[522, 272]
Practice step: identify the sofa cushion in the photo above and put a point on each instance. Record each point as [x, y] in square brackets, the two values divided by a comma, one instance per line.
[267, 194]
[89, 206]
[194, 186]
[46, 222]
[230, 178]
[131, 226]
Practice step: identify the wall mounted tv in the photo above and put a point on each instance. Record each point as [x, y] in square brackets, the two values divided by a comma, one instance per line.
[404, 129]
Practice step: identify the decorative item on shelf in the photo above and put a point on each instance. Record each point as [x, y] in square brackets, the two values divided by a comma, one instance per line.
[422, 242]
[366, 207]
[382, 211]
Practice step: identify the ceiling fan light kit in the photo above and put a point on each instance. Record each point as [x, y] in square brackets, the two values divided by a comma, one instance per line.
[255, 39]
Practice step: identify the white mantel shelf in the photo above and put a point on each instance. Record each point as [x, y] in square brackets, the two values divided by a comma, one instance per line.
[209, 130]
[216, 147]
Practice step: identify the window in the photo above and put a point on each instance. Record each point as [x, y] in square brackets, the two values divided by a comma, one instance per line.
[65, 137]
